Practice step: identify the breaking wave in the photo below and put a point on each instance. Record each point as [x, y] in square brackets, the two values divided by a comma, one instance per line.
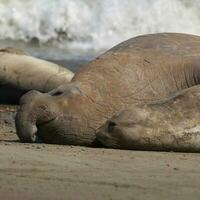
[93, 25]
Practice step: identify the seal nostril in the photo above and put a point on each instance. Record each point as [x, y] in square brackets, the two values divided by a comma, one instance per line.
[111, 126]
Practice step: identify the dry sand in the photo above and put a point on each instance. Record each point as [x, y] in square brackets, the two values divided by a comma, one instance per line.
[42, 171]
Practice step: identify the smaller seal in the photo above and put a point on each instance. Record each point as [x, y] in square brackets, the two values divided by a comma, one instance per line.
[169, 125]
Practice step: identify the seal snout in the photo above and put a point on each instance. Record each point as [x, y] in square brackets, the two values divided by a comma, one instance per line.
[35, 109]
[25, 127]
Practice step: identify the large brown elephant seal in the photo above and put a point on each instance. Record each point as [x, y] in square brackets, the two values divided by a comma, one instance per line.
[171, 124]
[138, 71]
[20, 72]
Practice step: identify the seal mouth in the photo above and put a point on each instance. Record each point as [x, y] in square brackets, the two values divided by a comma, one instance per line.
[46, 122]
[27, 128]
[37, 138]
[106, 140]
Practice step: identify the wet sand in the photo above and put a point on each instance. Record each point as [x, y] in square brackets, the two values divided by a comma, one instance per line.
[42, 171]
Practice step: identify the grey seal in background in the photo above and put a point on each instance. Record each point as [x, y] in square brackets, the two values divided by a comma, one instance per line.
[137, 72]
[20, 72]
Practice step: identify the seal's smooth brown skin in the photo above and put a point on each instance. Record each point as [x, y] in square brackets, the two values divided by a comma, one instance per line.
[138, 71]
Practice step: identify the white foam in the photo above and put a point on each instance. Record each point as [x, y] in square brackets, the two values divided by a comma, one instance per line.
[94, 24]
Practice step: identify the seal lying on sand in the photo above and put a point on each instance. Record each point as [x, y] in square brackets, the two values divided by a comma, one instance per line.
[138, 71]
[22, 72]
[172, 124]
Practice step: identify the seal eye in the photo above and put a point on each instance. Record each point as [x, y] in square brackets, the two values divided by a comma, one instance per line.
[111, 126]
[57, 93]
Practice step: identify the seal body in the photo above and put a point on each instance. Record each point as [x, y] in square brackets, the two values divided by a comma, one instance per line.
[169, 125]
[136, 72]
[20, 73]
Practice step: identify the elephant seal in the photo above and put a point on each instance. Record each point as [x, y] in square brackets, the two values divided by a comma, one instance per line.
[139, 71]
[20, 72]
[170, 125]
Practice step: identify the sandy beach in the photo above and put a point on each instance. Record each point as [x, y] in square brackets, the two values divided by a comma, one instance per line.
[42, 171]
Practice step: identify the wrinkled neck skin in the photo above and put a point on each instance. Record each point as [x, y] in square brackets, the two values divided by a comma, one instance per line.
[66, 115]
